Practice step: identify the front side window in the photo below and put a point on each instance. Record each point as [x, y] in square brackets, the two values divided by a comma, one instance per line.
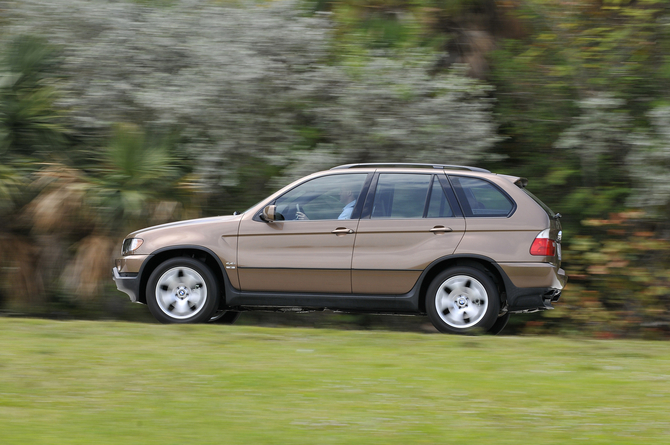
[327, 197]
[481, 198]
[400, 195]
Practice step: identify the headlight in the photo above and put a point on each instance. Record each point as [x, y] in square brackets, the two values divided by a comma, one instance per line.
[130, 245]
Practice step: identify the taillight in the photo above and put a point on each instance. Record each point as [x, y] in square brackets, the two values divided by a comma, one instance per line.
[542, 245]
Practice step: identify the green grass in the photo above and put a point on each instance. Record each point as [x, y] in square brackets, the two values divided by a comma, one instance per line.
[103, 382]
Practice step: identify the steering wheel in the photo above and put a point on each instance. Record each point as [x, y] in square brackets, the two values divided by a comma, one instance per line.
[297, 210]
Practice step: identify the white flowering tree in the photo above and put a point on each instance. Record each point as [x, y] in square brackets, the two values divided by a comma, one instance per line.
[599, 136]
[254, 82]
[649, 163]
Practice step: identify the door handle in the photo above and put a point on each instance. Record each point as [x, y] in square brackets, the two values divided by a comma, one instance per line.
[342, 230]
[441, 229]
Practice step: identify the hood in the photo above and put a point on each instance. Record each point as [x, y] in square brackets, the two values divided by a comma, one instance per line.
[186, 223]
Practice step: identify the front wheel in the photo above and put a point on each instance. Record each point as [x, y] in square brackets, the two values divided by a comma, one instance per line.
[462, 300]
[182, 290]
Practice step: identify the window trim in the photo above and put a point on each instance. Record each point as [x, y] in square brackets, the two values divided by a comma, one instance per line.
[451, 196]
[428, 196]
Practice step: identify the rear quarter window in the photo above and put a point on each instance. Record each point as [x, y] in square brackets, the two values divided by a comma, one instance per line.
[479, 197]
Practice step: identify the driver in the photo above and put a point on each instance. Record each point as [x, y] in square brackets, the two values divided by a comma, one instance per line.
[347, 197]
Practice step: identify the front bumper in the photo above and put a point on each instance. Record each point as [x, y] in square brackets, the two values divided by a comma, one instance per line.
[128, 282]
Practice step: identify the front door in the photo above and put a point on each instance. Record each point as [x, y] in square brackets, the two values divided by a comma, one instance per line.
[310, 250]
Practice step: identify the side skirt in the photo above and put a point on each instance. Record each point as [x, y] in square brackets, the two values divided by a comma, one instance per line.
[296, 302]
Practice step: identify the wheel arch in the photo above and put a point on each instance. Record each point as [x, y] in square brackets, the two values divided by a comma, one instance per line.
[482, 263]
[196, 252]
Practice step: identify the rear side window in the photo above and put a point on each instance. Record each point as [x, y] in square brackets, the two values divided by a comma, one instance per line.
[481, 198]
[400, 196]
[438, 206]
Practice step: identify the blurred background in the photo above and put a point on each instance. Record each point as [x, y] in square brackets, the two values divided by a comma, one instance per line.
[117, 115]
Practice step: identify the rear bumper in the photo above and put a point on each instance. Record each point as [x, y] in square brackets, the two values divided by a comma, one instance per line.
[533, 287]
[532, 300]
[527, 275]
[129, 283]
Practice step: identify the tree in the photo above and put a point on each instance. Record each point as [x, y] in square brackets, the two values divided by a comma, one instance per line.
[649, 163]
[30, 123]
[30, 129]
[253, 90]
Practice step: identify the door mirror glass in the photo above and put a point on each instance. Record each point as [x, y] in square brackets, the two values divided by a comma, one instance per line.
[269, 214]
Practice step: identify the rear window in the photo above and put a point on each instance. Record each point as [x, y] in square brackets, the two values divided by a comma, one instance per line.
[537, 200]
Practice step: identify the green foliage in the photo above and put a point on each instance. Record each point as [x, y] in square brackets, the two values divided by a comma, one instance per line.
[134, 174]
[11, 184]
[401, 25]
[135, 160]
[154, 3]
[649, 163]
[30, 123]
[569, 95]
[578, 51]
[619, 280]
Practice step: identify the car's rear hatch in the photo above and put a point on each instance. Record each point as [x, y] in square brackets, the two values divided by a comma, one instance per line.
[555, 230]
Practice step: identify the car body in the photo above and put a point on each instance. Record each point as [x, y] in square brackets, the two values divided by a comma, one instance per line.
[463, 245]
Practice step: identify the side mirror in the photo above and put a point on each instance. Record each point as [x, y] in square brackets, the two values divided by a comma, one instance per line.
[269, 213]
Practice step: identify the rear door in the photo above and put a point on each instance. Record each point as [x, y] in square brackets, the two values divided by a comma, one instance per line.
[409, 220]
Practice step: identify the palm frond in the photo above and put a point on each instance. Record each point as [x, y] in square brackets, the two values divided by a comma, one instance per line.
[20, 283]
[59, 207]
[86, 273]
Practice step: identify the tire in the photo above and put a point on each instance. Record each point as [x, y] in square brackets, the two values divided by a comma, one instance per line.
[182, 290]
[225, 317]
[499, 324]
[462, 300]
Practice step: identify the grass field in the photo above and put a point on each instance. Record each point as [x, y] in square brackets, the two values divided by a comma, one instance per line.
[105, 382]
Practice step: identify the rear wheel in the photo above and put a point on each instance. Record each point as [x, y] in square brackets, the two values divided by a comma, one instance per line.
[225, 317]
[499, 324]
[182, 290]
[462, 300]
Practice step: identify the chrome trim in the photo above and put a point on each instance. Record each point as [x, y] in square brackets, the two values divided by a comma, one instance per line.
[410, 164]
[123, 284]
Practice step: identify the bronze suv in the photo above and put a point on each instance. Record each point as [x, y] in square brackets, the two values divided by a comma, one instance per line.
[462, 245]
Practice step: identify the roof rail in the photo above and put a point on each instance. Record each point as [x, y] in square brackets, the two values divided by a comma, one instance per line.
[407, 164]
